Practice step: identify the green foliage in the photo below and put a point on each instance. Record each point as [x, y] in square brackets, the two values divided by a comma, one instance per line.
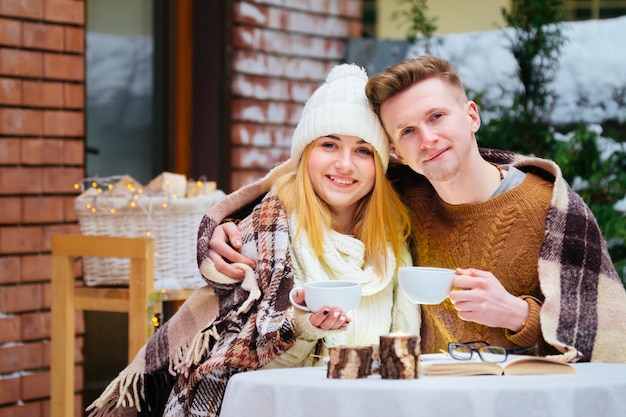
[535, 40]
[601, 182]
[414, 15]
[516, 132]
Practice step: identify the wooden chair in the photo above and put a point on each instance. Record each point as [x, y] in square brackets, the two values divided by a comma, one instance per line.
[136, 300]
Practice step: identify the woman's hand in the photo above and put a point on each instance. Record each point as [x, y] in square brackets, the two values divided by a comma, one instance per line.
[326, 318]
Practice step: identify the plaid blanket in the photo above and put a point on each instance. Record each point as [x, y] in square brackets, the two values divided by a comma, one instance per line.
[185, 366]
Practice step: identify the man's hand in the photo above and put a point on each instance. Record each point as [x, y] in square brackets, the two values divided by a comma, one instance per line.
[480, 297]
[225, 244]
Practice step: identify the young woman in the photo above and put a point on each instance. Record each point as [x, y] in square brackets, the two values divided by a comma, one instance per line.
[330, 214]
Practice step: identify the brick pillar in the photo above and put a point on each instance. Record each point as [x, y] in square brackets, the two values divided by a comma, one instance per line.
[42, 139]
[281, 52]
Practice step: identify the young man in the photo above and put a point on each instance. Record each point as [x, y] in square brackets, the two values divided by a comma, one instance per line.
[532, 266]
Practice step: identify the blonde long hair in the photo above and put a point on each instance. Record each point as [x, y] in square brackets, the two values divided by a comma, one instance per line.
[379, 214]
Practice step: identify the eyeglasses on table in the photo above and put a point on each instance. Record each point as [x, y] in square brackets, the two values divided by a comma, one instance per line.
[486, 352]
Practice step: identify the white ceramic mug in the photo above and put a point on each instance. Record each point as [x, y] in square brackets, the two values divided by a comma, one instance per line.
[425, 285]
[344, 295]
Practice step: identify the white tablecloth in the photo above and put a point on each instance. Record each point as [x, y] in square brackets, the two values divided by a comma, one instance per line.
[597, 390]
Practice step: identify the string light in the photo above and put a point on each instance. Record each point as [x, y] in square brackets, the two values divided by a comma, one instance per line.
[113, 194]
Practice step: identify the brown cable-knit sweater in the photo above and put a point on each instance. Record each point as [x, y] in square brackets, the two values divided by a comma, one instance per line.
[501, 235]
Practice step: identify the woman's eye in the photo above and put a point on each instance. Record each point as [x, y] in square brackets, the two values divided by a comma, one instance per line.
[365, 151]
[406, 131]
[328, 145]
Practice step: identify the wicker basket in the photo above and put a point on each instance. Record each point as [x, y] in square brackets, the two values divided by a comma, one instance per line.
[172, 223]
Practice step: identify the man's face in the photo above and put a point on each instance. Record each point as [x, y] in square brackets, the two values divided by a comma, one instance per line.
[432, 127]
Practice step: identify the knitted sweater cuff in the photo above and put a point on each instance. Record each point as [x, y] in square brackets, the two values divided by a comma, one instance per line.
[530, 334]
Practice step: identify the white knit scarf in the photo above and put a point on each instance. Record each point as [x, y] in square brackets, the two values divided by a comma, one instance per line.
[344, 256]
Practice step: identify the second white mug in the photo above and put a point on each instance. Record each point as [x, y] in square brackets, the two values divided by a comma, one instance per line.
[426, 285]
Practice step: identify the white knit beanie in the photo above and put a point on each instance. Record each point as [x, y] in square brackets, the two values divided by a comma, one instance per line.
[340, 106]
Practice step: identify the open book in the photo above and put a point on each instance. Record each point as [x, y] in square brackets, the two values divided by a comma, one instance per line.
[442, 365]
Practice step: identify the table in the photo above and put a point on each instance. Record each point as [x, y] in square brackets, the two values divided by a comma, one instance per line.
[597, 389]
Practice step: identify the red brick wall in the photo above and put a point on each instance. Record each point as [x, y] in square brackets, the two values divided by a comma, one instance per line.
[281, 51]
[42, 135]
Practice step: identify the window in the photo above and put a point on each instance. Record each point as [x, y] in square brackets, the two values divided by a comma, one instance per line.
[120, 89]
[594, 9]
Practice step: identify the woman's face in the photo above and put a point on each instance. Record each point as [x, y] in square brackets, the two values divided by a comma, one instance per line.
[342, 172]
